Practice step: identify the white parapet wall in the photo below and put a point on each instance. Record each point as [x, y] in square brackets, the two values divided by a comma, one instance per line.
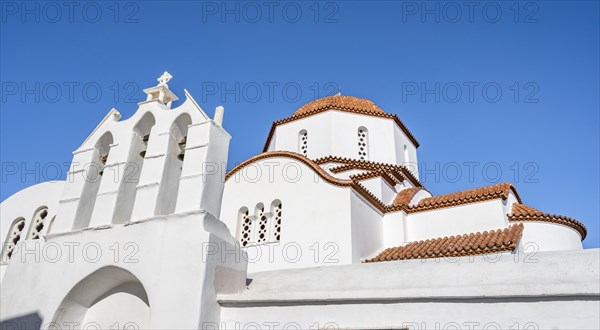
[550, 290]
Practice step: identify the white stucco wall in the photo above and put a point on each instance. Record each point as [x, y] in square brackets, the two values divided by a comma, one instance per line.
[457, 220]
[316, 215]
[394, 230]
[24, 204]
[494, 292]
[133, 187]
[542, 236]
[175, 258]
[381, 189]
[367, 229]
[335, 133]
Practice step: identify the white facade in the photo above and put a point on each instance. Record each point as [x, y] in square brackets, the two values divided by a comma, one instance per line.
[336, 133]
[148, 232]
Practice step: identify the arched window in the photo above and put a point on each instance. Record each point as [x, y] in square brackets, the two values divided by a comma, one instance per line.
[244, 226]
[261, 227]
[37, 223]
[406, 159]
[303, 142]
[363, 144]
[276, 220]
[14, 236]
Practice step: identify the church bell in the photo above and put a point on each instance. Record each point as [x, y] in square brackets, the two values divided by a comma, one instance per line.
[145, 142]
[182, 144]
[103, 159]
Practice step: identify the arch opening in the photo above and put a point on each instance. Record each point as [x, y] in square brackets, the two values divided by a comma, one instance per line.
[94, 171]
[175, 156]
[111, 297]
[133, 168]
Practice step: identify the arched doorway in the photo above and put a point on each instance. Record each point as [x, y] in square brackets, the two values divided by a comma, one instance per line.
[109, 298]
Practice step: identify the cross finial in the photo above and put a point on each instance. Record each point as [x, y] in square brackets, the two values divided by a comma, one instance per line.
[164, 79]
[339, 92]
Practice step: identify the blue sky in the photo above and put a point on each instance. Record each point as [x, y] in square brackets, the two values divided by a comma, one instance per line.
[507, 89]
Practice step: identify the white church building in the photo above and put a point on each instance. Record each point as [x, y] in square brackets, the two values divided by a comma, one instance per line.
[328, 228]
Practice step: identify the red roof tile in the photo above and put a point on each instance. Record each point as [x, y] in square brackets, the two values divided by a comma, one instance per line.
[501, 240]
[342, 102]
[524, 213]
[399, 171]
[500, 190]
[405, 196]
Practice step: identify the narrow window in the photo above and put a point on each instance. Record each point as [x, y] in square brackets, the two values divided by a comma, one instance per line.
[406, 160]
[245, 226]
[14, 236]
[303, 142]
[276, 219]
[37, 223]
[363, 148]
[262, 223]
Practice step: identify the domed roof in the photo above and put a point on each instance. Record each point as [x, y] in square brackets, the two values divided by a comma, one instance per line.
[342, 102]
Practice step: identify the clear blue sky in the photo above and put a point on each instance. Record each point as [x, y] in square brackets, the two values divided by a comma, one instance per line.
[542, 56]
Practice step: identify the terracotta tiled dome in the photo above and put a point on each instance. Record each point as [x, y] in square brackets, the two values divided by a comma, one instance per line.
[343, 102]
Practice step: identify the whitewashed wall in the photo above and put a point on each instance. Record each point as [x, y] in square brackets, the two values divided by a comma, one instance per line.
[381, 189]
[24, 204]
[457, 220]
[541, 236]
[394, 229]
[171, 257]
[134, 188]
[315, 213]
[557, 291]
[335, 133]
[367, 229]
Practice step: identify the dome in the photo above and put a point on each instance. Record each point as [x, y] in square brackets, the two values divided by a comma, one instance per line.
[342, 102]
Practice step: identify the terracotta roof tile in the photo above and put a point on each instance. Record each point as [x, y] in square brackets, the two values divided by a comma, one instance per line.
[405, 196]
[392, 174]
[500, 190]
[494, 241]
[524, 213]
[342, 103]
[339, 102]
[349, 164]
